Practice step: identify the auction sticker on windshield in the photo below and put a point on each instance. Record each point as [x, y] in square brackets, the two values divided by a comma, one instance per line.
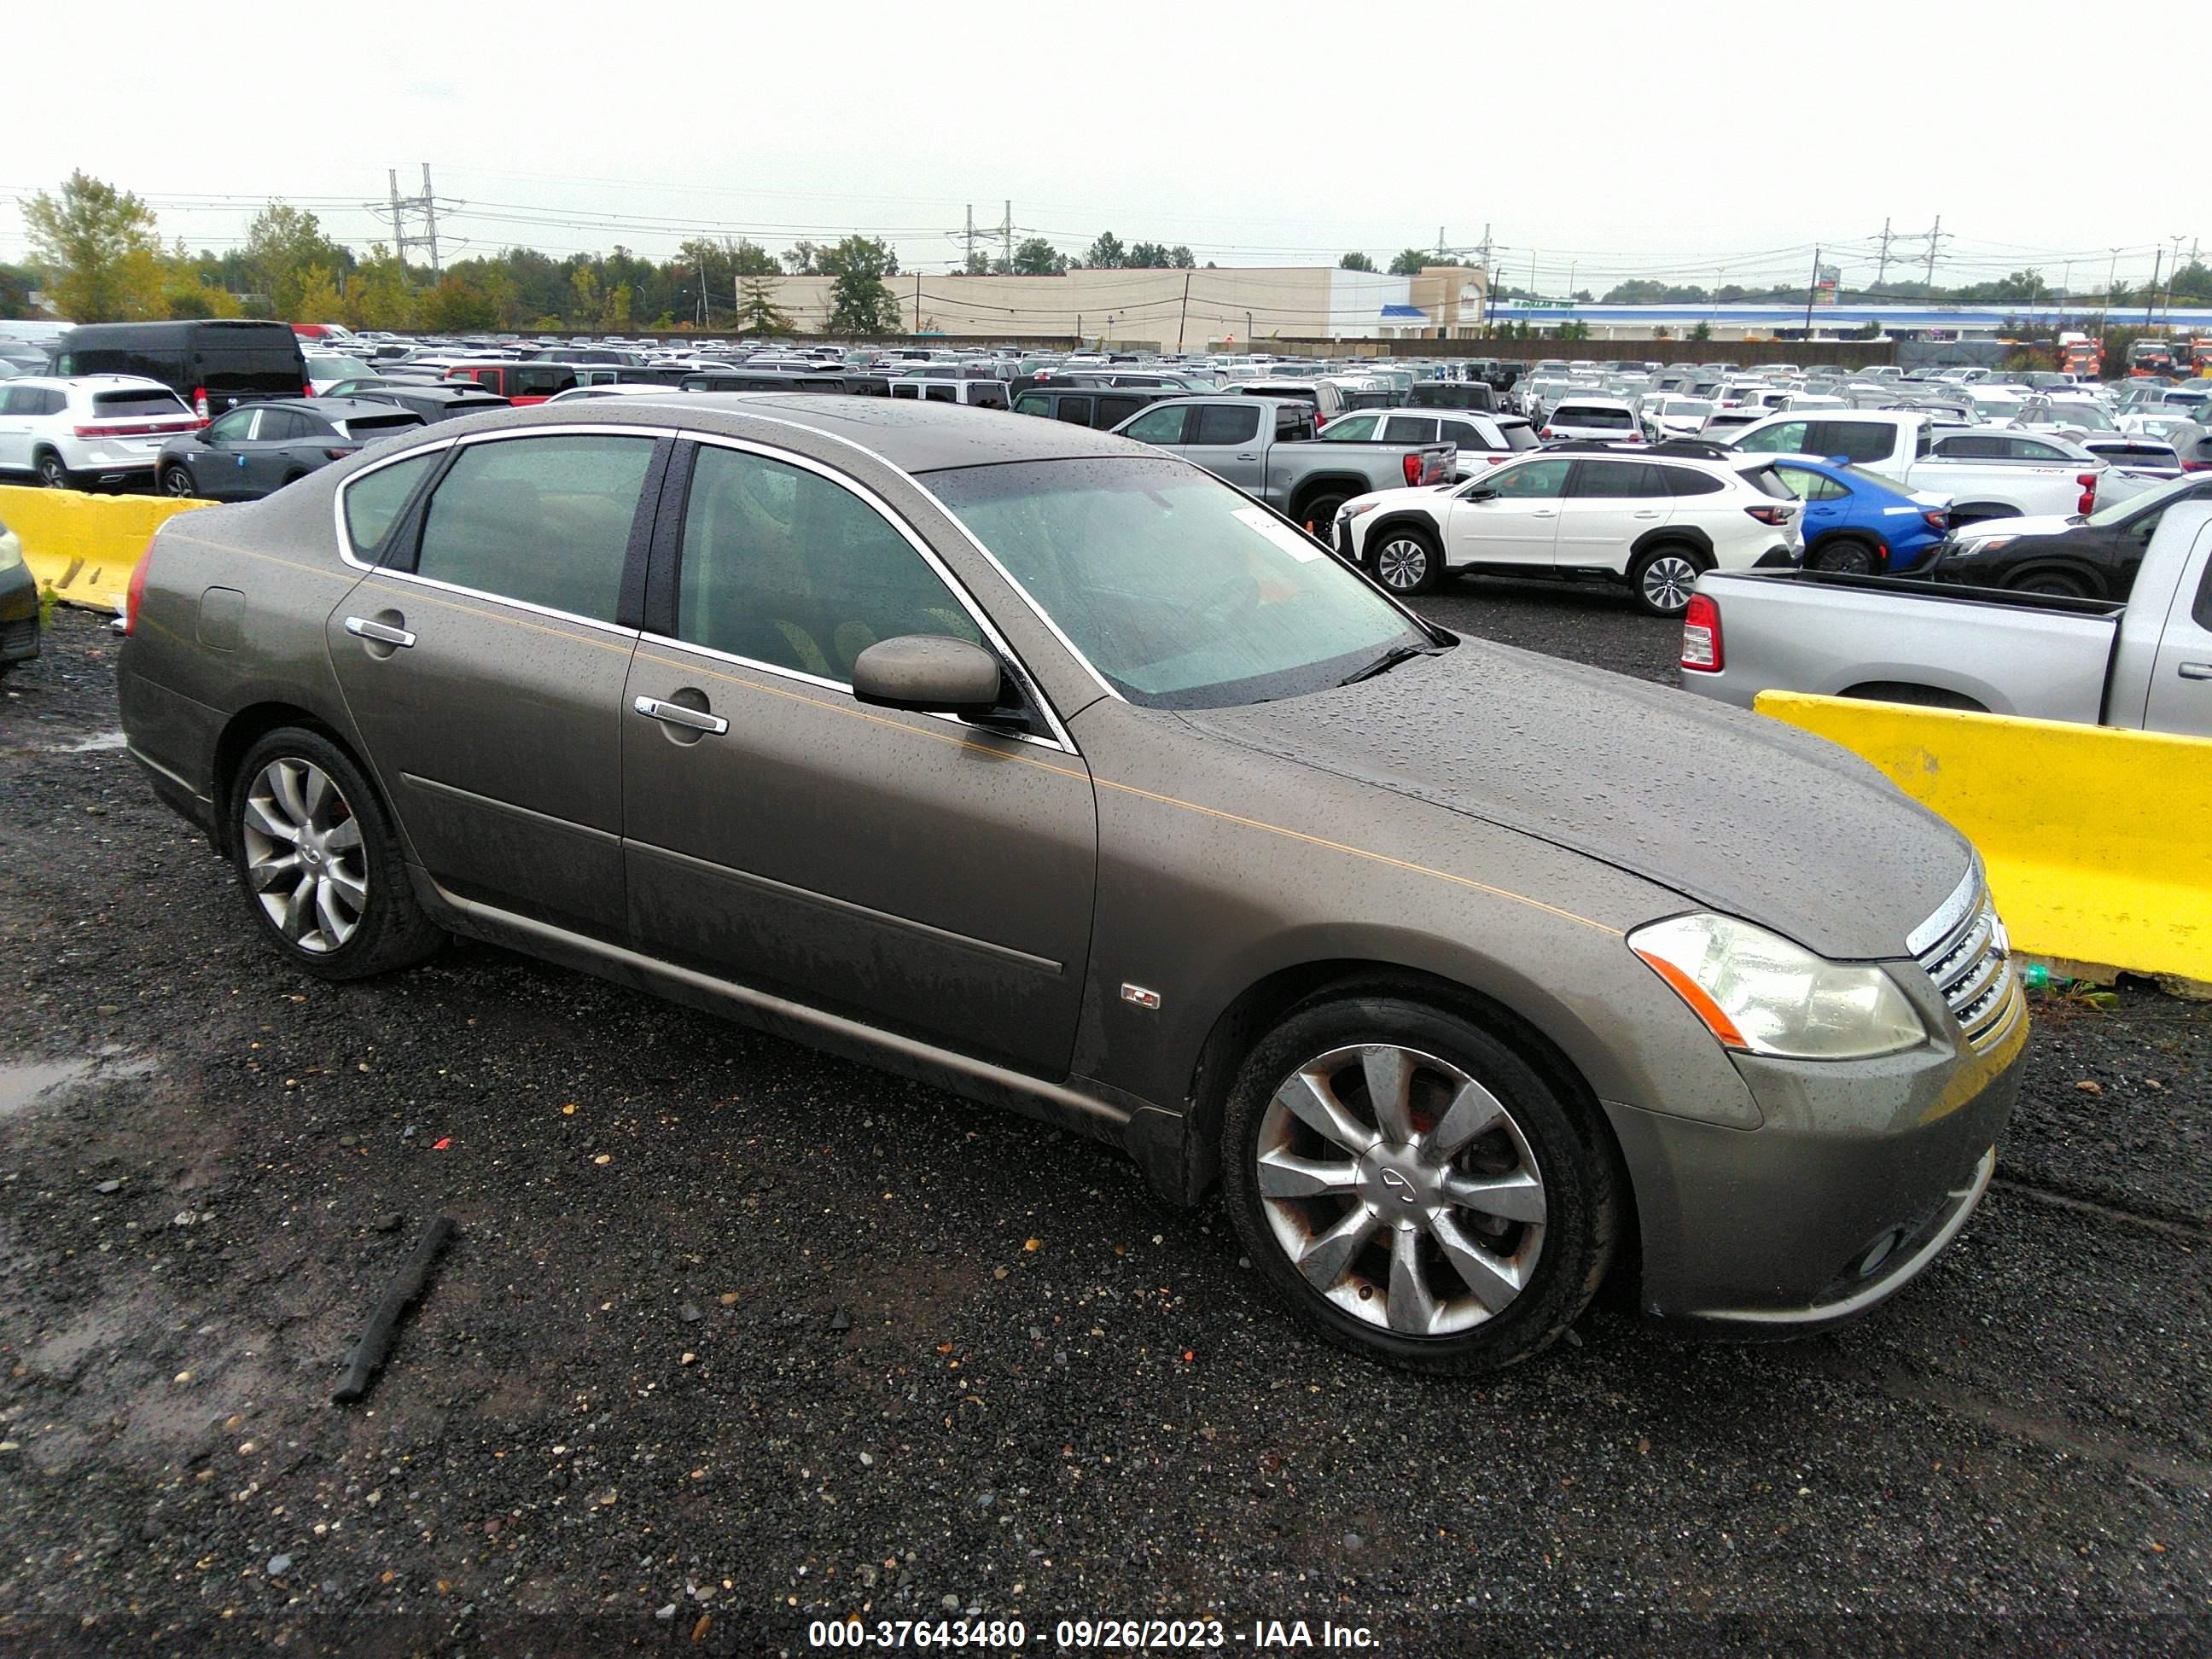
[1289, 540]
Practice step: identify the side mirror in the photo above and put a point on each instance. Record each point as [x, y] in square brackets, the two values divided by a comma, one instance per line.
[929, 674]
[1480, 494]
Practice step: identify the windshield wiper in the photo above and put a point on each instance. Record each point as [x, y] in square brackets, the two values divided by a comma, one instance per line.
[1389, 661]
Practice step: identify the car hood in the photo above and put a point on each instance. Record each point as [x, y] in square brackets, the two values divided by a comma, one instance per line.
[2040, 523]
[1734, 811]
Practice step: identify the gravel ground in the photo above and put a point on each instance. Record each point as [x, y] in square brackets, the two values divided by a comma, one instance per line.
[734, 1336]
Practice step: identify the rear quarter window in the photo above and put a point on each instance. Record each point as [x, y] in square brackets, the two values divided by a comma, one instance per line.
[373, 502]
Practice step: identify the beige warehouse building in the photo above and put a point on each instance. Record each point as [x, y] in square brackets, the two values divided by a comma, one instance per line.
[1213, 308]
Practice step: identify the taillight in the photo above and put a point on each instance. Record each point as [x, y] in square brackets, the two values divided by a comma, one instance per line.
[2088, 504]
[135, 592]
[308, 390]
[1774, 515]
[1411, 465]
[2196, 466]
[1938, 519]
[1545, 432]
[1701, 635]
[200, 402]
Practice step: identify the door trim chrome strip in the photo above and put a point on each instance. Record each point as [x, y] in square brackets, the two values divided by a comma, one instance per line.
[469, 797]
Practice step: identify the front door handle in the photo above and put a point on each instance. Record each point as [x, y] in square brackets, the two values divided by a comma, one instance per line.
[1646, 515]
[2197, 671]
[675, 713]
[362, 628]
[1246, 458]
[1546, 513]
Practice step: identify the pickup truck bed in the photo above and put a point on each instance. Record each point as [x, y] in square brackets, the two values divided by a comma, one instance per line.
[1907, 640]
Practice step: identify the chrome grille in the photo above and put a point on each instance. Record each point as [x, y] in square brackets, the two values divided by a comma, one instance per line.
[1971, 966]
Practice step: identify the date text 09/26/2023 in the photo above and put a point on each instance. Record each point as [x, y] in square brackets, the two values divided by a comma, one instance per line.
[1262, 1636]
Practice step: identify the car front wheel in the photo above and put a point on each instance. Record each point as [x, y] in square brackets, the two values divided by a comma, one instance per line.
[319, 862]
[1412, 1190]
[1664, 578]
[1407, 562]
[176, 481]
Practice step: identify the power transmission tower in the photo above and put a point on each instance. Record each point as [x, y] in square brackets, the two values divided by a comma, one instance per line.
[1934, 241]
[1882, 262]
[1006, 238]
[968, 242]
[401, 209]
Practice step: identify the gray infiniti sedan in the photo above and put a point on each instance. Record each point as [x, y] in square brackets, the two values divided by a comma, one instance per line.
[1027, 761]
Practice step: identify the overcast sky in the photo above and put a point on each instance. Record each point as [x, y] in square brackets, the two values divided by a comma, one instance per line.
[1720, 140]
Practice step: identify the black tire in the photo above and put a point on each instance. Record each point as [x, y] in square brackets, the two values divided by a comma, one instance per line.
[1406, 559]
[1848, 555]
[1663, 576]
[1565, 1148]
[2050, 582]
[52, 475]
[176, 480]
[390, 929]
[1319, 515]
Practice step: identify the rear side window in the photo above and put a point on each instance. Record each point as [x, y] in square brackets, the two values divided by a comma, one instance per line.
[783, 567]
[1158, 426]
[544, 520]
[2035, 449]
[1221, 425]
[1519, 435]
[1767, 482]
[1616, 480]
[1358, 428]
[940, 394]
[1969, 448]
[1859, 441]
[1076, 412]
[1688, 481]
[1030, 403]
[1404, 429]
[1112, 411]
[373, 502]
[1784, 438]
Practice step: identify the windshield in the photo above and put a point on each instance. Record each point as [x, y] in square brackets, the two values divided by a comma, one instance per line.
[333, 367]
[2088, 416]
[1685, 406]
[2127, 507]
[1182, 592]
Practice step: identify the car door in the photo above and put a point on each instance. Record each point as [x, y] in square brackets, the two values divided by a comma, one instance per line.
[1510, 515]
[1827, 503]
[1162, 428]
[1608, 504]
[484, 658]
[2181, 677]
[223, 453]
[280, 448]
[17, 404]
[911, 871]
[1224, 439]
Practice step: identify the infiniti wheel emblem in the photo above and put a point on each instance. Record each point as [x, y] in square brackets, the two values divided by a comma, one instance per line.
[1400, 1185]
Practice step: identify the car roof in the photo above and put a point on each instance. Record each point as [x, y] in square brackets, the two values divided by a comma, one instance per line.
[910, 434]
[89, 382]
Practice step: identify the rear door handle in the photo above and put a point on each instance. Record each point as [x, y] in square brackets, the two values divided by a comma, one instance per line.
[362, 628]
[675, 713]
[1545, 512]
[1646, 515]
[2197, 671]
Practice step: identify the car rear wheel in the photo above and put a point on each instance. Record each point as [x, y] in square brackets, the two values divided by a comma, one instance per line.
[52, 473]
[1847, 556]
[1412, 1190]
[1664, 578]
[176, 481]
[1407, 561]
[320, 864]
[2053, 584]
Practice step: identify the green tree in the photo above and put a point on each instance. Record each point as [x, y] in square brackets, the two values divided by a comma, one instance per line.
[456, 306]
[758, 311]
[1702, 331]
[1038, 258]
[1146, 256]
[859, 301]
[1106, 253]
[1179, 259]
[2193, 282]
[1409, 263]
[749, 258]
[587, 304]
[1355, 260]
[15, 286]
[101, 246]
[804, 260]
[378, 296]
[283, 246]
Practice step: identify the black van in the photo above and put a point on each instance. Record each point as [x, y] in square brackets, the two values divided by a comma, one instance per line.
[1452, 394]
[213, 366]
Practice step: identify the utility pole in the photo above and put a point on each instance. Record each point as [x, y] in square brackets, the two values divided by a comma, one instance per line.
[2151, 299]
[968, 239]
[1006, 238]
[917, 302]
[398, 224]
[1484, 250]
[1442, 256]
[402, 208]
[1811, 287]
[1184, 318]
[1882, 262]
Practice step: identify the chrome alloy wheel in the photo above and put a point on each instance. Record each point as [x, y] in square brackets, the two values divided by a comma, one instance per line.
[304, 856]
[1400, 1189]
[1402, 563]
[1669, 581]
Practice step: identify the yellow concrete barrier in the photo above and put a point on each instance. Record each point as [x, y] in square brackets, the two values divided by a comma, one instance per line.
[83, 547]
[2094, 837]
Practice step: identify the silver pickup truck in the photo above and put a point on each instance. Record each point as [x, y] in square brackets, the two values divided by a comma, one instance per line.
[2145, 663]
[1266, 446]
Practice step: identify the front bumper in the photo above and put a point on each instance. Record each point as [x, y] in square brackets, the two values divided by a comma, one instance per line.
[1860, 1176]
[18, 614]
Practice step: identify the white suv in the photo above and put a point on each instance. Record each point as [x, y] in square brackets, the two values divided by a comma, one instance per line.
[1655, 522]
[89, 430]
[1580, 415]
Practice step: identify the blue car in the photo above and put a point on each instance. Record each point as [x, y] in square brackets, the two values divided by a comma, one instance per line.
[1861, 523]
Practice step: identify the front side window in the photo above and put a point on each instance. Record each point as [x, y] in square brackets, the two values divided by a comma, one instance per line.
[784, 567]
[1783, 438]
[1545, 480]
[544, 520]
[234, 427]
[1157, 426]
[1180, 592]
[1030, 403]
[1857, 441]
[373, 502]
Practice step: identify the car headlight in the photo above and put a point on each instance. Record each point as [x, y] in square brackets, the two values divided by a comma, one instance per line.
[1983, 544]
[11, 549]
[1757, 992]
[1353, 509]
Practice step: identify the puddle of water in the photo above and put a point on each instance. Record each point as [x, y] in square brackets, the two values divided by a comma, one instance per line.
[23, 1083]
[91, 745]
